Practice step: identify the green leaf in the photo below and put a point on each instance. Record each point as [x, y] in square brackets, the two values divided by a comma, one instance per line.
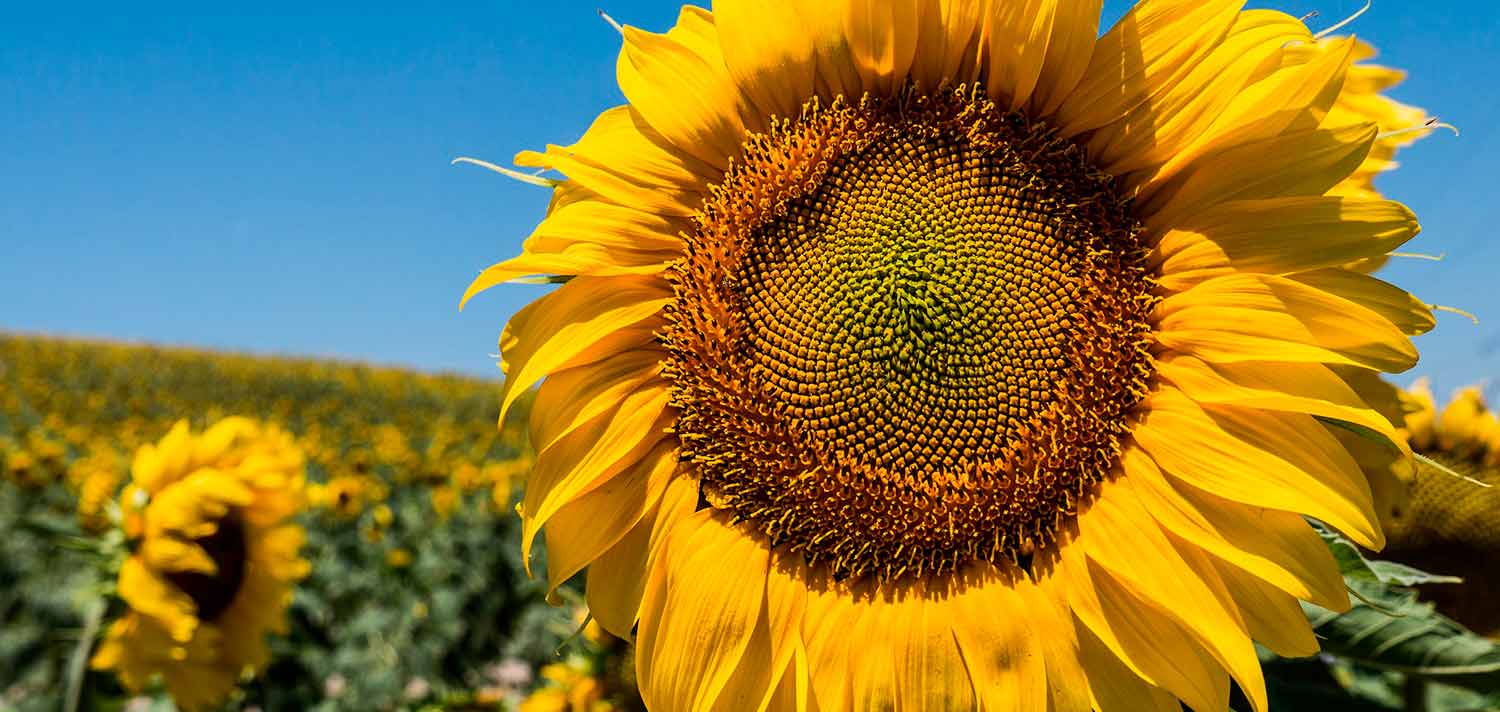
[1361, 431]
[1395, 574]
[1396, 632]
[1355, 567]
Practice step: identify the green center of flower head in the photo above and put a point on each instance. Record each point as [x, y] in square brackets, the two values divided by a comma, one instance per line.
[213, 593]
[908, 334]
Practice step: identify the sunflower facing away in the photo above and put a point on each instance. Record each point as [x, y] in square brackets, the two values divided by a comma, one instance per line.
[1446, 524]
[214, 559]
[932, 354]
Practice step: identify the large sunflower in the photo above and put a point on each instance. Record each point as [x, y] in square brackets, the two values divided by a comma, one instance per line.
[947, 354]
[1446, 524]
[213, 559]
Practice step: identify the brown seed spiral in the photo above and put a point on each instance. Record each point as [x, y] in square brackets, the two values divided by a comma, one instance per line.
[908, 333]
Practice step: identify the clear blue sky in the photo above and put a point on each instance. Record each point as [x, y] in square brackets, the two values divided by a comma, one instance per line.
[274, 176]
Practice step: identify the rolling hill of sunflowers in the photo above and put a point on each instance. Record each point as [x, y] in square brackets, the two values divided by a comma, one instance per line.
[413, 593]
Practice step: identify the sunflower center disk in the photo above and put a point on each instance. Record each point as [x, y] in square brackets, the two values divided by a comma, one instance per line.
[212, 593]
[908, 334]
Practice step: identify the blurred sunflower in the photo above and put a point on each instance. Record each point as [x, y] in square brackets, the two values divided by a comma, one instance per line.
[1446, 524]
[214, 559]
[947, 353]
[96, 479]
[569, 687]
[347, 495]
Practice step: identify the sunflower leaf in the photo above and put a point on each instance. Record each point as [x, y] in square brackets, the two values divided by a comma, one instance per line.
[1355, 567]
[1405, 635]
[1396, 574]
[1361, 431]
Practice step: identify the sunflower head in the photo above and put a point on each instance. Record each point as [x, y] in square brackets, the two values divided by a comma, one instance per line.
[949, 354]
[1448, 521]
[214, 557]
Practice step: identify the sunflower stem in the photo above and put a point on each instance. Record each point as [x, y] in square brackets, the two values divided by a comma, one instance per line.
[78, 663]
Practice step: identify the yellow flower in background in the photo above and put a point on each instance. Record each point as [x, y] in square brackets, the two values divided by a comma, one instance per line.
[381, 518]
[1363, 99]
[97, 479]
[398, 558]
[468, 477]
[569, 687]
[1445, 524]
[214, 559]
[347, 495]
[949, 354]
[444, 500]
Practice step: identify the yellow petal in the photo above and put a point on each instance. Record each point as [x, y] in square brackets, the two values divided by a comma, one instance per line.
[930, 672]
[1056, 637]
[708, 588]
[617, 579]
[872, 669]
[882, 36]
[755, 677]
[1293, 99]
[1114, 686]
[585, 528]
[1157, 131]
[684, 94]
[1274, 546]
[570, 398]
[1156, 42]
[1018, 35]
[1141, 635]
[626, 161]
[828, 627]
[1075, 28]
[1000, 633]
[786, 604]
[1272, 616]
[947, 50]
[1257, 317]
[553, 332]
[577, 214]
[581, 258]
[152, 595]
[1289, 164]
[1279, 236]
[1396, 305]
[769, 52]
[591, 456]
[1288, 387]
[1253, 458]
[1121, 536]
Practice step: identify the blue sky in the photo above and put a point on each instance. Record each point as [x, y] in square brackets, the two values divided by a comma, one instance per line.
[274, 177]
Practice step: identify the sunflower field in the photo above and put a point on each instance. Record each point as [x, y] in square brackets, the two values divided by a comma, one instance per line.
[414, 594]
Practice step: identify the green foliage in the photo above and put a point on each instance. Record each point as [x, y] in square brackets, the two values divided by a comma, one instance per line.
[1390, 650]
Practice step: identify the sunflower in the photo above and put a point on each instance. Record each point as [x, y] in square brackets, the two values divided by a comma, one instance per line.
[949, 354]
[213, 559]
[1363, 99]
[1446, 524]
